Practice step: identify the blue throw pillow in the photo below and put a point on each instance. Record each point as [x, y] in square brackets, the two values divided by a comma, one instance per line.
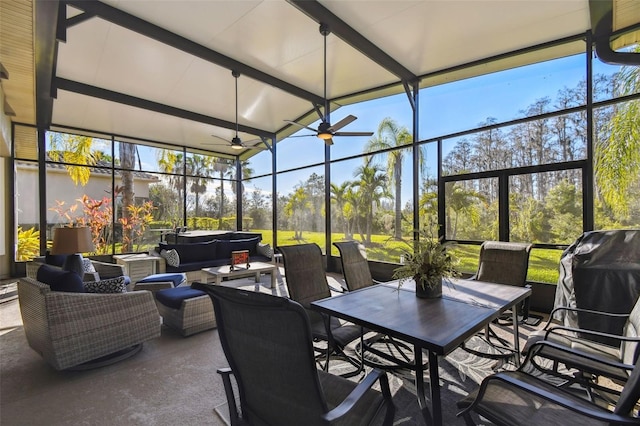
[54, 259]
[59, 280]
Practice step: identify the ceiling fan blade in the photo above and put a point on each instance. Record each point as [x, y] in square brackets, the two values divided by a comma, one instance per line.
[328, 141]
[303, 136]
[300, 125]
[258, 147]
[222, 139]
[353, 134]
[340, 124]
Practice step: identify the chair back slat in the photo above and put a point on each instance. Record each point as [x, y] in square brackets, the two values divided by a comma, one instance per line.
[355, 266]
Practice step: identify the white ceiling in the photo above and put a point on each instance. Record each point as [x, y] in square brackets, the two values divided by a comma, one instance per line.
[276, 38]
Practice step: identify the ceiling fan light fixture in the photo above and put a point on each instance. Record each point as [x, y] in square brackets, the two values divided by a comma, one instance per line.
[236, 143]
[325, 135]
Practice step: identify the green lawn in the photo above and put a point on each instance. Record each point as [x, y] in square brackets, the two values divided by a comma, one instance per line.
[543, 263]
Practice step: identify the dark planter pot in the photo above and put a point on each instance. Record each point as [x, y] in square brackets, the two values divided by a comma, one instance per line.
[423, 291]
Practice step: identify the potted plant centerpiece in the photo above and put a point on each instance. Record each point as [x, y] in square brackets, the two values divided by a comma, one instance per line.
[428, 263]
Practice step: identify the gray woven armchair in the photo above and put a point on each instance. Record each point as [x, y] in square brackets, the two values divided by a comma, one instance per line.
[70, 329]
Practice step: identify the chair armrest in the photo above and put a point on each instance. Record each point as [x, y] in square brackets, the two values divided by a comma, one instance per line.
[91, 276]
[538, 349]
[576, 310]
[591, 411]
[234, 416]
[587, 311]
[557, 329]
[32, 268]
[108, 270]
[356, 394]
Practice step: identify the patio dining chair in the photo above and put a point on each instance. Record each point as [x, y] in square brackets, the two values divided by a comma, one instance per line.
[357, 275]
[506, 263]
[517, 398]
[585, 354]
[307, 282]
[267, 342]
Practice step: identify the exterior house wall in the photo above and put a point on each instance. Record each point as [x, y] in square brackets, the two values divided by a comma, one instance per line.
[60, 187]
[6, 246]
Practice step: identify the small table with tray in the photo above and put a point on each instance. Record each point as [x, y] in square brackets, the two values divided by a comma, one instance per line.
[217, 273]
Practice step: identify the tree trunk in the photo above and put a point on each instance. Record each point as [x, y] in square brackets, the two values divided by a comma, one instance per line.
[398, 206]
[127, 159]
[221, 213]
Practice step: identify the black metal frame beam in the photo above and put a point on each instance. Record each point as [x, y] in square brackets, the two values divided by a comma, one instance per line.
[337, 26]
[46, 46]
[109, 95]
[147, 29]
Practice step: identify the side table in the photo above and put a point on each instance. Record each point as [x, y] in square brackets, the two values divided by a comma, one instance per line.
[137, 266]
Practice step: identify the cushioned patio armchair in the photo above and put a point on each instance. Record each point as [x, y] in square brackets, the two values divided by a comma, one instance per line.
[70, 329]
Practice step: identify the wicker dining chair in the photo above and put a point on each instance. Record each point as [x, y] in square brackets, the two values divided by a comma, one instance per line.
[267, 342]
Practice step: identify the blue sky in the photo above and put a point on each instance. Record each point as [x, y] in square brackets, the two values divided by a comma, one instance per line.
[443, 110]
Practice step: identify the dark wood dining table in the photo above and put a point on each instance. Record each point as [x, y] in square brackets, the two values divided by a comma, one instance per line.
[436, 325]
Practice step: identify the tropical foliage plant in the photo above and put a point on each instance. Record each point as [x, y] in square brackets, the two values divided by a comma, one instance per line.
[428, 262]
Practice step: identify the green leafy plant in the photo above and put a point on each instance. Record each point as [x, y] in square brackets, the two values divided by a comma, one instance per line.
[428, 262]
[28, 244]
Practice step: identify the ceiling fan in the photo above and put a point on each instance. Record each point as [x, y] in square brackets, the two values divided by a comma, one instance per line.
[235, 143]
[326, 130]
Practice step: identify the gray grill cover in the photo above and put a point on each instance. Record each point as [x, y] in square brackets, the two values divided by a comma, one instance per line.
[600, 271]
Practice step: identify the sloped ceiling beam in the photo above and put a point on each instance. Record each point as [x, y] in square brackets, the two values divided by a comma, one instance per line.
[46, 16]
[321, 14]
[602, 25]
[147, 29]
[109, 95]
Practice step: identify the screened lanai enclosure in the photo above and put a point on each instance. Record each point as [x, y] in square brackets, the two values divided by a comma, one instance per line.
[320, 121]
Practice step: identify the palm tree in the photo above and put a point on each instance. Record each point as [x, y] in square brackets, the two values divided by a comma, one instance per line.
[391, 135]
[296, 208]
[372, 185]
[76, 150]
[223, 167]
[199, 166]
[172, 162]
[461, 200]
[617, 157]
[127, 162]
[338, 193]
